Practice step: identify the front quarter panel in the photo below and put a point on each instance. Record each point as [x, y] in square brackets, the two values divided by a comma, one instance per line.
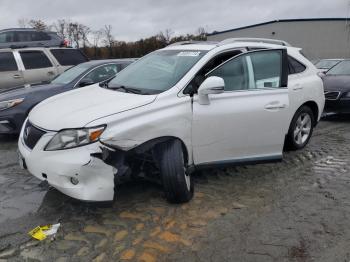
[167, 116]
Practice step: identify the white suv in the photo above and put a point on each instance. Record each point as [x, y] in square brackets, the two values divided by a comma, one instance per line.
[178, 109]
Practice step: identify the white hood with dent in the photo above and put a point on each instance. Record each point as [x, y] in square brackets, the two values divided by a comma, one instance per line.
[77, 108]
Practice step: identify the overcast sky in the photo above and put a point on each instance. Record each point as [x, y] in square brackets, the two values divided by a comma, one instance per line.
[135, 19]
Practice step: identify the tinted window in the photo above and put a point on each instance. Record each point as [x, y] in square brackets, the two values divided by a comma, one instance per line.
[7, 37]
[251, 71]
[71, 74]
[35, 60]
[234, 73]
[102, 73]
[68, 57]
[7, 62]
[295, 67]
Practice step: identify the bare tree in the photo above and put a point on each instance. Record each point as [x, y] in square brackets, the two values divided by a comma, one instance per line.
[108, 38]
[60, 27]
[165, 36]
[84, 32]
[96, 40]
[38, 24]
[201, 33]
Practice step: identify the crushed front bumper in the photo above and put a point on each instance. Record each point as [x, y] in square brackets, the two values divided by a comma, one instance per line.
[62, 169]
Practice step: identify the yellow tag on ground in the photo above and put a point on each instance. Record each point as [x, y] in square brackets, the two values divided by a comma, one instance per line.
[38, 232]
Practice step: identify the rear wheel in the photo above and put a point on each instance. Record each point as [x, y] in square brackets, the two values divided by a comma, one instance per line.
[177, 182]
[301, 128]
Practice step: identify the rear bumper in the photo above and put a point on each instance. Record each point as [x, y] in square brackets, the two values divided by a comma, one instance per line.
[95, 178]
[337, 106]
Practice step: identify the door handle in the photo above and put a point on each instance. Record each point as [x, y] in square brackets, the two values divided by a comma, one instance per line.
[297, 87]
[50, 73]
[275, 106]
[16, 76]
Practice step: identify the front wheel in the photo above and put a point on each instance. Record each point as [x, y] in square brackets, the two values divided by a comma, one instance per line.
[177, 182]
[301, 128]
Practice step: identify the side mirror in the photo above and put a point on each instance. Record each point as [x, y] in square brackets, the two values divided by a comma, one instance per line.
[211, 85]
[86, 82]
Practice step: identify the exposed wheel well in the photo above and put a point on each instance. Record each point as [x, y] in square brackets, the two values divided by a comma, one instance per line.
[156, 141]
[314, 108]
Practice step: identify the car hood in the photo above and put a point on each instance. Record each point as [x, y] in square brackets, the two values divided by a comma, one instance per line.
[77, 108]
[336, 83]
[22, 92]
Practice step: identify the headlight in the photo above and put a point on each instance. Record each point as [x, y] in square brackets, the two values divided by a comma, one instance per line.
[10, 103]
[70, 138]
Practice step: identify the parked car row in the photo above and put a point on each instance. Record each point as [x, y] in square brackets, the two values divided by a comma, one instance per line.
[15, 104]
[34, 65]
[182, 108]
[29, 37]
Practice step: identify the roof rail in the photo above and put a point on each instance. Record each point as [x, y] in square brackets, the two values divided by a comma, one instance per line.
[258, 40]
[189, 42]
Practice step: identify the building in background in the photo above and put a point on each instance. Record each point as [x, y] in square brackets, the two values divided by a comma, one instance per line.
[318, 37]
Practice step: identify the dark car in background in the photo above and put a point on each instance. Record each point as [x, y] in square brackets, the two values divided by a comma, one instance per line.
[325, 64]
[15, 104]
[337, 88]
[29, 37]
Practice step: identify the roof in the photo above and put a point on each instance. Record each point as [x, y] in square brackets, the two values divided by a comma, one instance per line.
[280, 21]
[26, 29]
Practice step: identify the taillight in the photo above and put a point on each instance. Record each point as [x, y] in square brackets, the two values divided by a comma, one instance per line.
[65, 43]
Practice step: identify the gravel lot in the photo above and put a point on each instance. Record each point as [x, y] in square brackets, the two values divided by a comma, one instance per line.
[295, 210]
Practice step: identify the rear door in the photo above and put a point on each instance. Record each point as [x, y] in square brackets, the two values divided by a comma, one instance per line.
[10, 74]
[37, 66]
[247, 122]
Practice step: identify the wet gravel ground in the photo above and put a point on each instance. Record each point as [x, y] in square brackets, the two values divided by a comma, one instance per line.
[295, 210]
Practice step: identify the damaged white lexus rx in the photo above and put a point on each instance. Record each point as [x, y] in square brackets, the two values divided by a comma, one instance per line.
[179, 109]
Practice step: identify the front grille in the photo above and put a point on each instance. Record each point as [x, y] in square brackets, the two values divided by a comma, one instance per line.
[31, 135]
[332, 95]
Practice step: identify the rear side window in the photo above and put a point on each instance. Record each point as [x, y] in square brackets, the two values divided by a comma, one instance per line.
[7, 62]
[35, 60]
[295, 67]
[67, 57]
[7, 37]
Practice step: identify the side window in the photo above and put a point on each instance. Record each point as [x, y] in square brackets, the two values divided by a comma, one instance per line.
[35, 60]
[40, 36]
[209, 66]
[102, 73]
[68, 57]
[7, 37]
[256, 70]
[23, 36]
[7, 62]
[294, 66]
[234, 73]
[267, 69]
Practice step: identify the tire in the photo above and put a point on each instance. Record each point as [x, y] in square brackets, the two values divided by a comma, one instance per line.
[300, 129]
[177, 183]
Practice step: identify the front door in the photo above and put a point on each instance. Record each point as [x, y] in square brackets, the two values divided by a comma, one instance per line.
[10, 74]
[249, 121]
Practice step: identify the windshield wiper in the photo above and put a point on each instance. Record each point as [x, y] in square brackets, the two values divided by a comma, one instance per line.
[125, 89]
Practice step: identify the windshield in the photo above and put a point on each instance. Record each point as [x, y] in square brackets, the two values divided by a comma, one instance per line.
[343, 68]
[326, 64]
[158, 71]
[69, 75]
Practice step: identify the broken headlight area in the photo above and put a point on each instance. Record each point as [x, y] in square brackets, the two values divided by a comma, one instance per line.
[71, 138]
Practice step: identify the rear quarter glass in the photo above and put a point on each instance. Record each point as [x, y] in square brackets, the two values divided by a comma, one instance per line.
[68, 57]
